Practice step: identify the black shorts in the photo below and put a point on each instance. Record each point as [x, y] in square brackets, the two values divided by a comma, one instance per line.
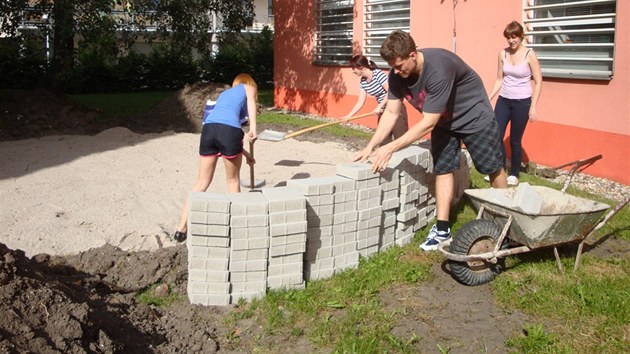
[484, 147]
[220, 140]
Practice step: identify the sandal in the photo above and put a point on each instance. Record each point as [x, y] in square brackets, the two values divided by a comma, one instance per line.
[180, 236]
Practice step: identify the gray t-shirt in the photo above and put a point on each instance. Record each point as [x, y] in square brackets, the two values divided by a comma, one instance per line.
[447, 85]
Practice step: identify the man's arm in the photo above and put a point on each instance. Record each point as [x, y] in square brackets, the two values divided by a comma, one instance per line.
[384, 128]
[382, 156]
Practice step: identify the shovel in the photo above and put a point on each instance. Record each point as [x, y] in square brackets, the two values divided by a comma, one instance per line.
[253, 183]
[272, 135]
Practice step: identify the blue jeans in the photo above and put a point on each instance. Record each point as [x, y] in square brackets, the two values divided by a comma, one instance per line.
[516, 112]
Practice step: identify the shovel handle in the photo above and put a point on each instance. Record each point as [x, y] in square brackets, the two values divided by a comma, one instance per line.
[251, 166]
[306, 130]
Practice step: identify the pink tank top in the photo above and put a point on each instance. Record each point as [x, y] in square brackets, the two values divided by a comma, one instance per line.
[516, 79]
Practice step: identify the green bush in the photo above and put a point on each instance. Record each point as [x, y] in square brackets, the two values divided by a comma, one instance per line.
[22, 64]
[167, 67]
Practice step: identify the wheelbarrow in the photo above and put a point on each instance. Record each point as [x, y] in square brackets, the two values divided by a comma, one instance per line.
[477, 252]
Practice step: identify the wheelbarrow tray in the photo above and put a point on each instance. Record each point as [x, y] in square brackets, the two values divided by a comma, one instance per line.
[562, 218]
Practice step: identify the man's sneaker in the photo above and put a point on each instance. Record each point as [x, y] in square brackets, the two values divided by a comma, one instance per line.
[486, 178]
[512, 180]
[434, 238]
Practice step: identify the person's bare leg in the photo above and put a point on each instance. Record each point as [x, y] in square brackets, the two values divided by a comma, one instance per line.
[233, 173]
[207, 165]
[444, 191]
[498, 179]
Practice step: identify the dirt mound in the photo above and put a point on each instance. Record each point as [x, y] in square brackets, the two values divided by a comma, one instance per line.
[32, 114]
[85, 303]
[28, 114]
[180, 112]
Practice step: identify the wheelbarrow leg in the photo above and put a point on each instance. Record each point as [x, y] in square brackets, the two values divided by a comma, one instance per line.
[578, 256]
[557, 255]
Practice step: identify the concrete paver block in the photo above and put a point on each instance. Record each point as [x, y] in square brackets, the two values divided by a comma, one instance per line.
[355, 170]
[527, 199]
[281, 199]
[313, 186]
[247, 204]
[209, 202]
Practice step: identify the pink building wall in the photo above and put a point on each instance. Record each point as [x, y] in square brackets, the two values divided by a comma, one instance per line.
[577, 118]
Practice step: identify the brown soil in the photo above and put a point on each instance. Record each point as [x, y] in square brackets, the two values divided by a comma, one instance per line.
[85, 303]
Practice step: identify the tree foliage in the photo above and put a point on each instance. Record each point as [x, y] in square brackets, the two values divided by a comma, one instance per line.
[183, 25]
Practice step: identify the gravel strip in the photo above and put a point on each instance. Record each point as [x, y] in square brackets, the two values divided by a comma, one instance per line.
[596, 185]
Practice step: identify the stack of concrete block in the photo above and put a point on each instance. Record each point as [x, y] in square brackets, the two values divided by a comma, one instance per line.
[249, 230]
[208, 249]
[426, 177]
[406, 162]
[345, 223]
[242, 244]
[368, 206]
[287, 229]
[390, 186]
[319, 262]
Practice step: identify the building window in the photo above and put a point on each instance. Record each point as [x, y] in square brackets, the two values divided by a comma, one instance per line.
[380, 18]
[572, 38]
[333, 31]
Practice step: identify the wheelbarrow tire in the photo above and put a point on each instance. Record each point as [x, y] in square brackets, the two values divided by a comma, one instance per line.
[477, 236]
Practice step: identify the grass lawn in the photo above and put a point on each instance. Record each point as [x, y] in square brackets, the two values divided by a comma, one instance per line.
[590, 308]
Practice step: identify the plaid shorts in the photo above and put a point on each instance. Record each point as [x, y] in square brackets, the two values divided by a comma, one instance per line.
[484, 147]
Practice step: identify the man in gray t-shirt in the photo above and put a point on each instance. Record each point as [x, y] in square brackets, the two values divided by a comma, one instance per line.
[455, 109]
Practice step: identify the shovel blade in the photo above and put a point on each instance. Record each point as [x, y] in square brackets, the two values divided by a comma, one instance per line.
[257, 183]
[271, 135]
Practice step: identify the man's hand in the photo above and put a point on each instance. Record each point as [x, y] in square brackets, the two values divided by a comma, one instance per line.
[362, 155]
[381, 157]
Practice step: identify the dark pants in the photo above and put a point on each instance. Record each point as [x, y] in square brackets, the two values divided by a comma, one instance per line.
[516, 112]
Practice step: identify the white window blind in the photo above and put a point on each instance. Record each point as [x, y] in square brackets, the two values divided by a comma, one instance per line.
[333, 31]
[572, 38]
[380, 18]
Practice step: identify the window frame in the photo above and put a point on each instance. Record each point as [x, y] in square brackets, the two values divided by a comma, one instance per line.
[328, 46]
[594, 60]
[373, 37]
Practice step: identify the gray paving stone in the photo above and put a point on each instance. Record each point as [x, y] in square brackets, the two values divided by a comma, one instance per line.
[288, 229]
[292, 248]
[313, 185]
[208, 252]
[209, 288]
[527, 199]
[247, 254]
[251, 276]
[209, 202]
[247, 204]
[210, 299]
[250, 243]
[208, 263]
[283, 199]
[212, 276]
[199, 217]
[247, 221]
[288, 239]
[249, 232]
[288, 216]
[248, 266]
[357, 171]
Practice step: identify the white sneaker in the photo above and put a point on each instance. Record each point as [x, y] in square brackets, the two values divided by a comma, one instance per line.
[434, 238]
[512, 180]
[486, 178]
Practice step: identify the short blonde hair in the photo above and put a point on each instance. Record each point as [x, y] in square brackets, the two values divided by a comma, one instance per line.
[244, 79]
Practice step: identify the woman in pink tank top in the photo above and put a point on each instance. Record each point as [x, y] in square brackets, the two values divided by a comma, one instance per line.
[518, 66]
